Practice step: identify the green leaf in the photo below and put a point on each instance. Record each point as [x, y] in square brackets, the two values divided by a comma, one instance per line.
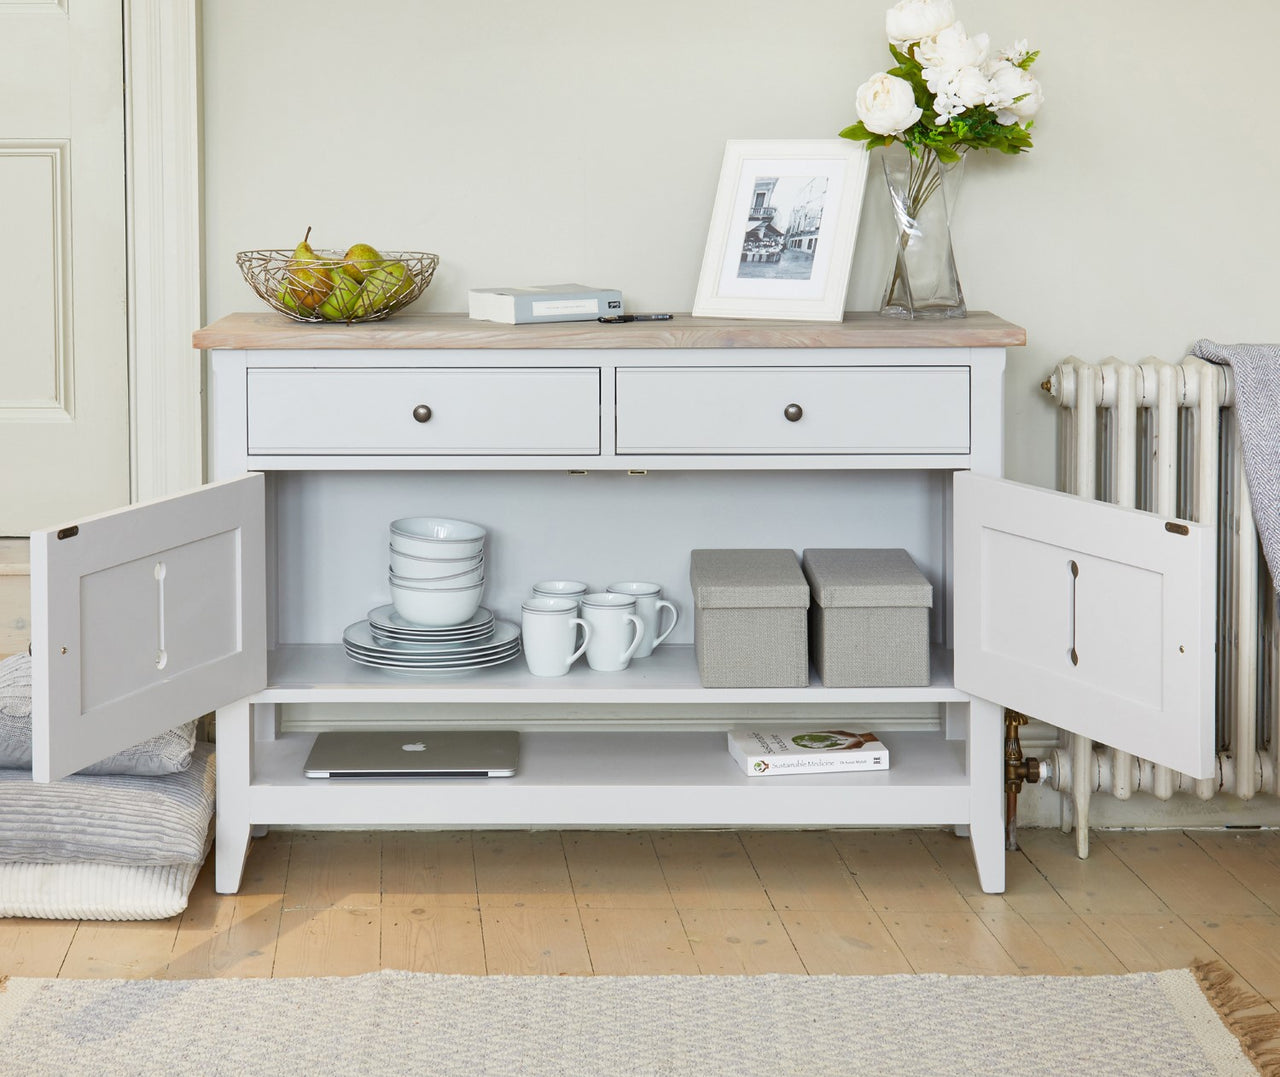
[900, 56]
[858, 132]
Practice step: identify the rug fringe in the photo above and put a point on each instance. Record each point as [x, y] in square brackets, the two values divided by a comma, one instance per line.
[1259, 1035]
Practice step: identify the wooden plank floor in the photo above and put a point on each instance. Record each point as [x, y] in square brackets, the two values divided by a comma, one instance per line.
[671, 902]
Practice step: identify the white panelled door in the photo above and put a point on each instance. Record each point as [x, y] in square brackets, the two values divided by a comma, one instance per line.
[64, 395]
[145, 618]
[1093, 618]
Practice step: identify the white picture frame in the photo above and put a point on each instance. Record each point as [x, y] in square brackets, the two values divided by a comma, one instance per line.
[782, 230]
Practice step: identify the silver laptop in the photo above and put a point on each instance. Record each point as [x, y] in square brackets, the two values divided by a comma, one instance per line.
[439, 754]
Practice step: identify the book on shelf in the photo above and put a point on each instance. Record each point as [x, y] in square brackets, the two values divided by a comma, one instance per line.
[543, 303]
[816, 751]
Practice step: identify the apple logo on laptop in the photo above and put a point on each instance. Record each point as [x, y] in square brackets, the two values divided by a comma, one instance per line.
[416, 746]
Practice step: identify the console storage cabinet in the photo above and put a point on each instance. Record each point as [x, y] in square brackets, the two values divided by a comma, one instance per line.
[606, 453]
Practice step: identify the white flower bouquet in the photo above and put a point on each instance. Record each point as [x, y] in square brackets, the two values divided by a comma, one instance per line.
[949, 92]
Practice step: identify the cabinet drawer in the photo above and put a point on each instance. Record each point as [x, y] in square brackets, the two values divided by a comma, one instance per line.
[886, 409]
[474, 412]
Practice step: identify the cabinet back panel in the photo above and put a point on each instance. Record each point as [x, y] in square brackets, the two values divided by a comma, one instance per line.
[331, 530]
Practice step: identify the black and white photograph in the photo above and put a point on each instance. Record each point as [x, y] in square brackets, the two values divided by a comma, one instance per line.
[782, 232]
[782, 227]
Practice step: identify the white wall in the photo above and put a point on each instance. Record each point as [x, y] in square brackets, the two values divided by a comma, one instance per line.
[581, 140]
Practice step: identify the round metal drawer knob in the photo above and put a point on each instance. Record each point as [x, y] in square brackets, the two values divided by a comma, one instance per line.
[793, 413]
[422, 413]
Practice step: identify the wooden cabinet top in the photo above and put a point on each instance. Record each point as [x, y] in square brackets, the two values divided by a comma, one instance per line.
[268, 330]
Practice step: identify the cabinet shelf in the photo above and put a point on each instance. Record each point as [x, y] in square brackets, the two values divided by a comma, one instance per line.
[622, 779]
[300, 673]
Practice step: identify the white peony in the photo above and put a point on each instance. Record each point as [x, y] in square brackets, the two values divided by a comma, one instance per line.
[957, 91]
[970, 87]
[951, 49]
[914, 20]
[886, 105]
[1015, 95]
[1015, 53]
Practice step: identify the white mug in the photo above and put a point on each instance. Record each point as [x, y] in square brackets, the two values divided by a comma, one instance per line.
[649, 607]
[561, 589]
[548, 632]
[611, 617]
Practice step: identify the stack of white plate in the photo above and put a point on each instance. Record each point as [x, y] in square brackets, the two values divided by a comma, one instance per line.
[387, 641]
[389, 626]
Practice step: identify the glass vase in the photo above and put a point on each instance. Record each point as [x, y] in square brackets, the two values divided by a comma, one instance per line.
[922, 193]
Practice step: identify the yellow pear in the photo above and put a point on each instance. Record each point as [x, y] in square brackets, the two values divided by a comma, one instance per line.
[340, 304]
[383, 285]
[359, 260]
[307, 283]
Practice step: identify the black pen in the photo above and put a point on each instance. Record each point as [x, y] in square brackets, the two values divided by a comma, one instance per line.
[617, 318]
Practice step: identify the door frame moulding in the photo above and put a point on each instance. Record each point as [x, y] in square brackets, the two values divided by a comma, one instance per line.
[165, 248]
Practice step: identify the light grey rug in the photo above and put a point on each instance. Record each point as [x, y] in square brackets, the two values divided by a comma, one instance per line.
[409, 1023]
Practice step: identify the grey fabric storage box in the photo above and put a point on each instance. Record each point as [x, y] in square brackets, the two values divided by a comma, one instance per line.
[869, 623]
[749, 611]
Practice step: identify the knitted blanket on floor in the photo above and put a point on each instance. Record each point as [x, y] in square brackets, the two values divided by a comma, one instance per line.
[1257, 374]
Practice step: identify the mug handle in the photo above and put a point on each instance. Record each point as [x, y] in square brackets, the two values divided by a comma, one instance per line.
[586, 638]
[635, 643]
[675, 616]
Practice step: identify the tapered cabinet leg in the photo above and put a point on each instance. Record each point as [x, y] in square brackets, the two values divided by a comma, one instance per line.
[231, 832]
[986, 790]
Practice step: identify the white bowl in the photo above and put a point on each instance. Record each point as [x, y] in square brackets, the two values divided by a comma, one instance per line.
[438, 607]
[432, 568]
[437, 537]
[437, 583]
[561, 589]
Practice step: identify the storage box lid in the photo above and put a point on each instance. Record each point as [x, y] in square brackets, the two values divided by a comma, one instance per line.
[747, 579]
[866, 578]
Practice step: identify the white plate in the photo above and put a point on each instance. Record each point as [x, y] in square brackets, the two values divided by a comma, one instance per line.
[429, 663]
[451, 668]
[407, 637]
[477, 663]
[360, 637]
[496, 660]
[386, 617]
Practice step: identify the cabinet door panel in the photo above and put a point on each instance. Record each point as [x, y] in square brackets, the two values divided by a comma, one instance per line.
[143, 619]
[1096, 619]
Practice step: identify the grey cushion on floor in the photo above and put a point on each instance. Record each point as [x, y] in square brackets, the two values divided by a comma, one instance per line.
[167, 753]
[108, 818]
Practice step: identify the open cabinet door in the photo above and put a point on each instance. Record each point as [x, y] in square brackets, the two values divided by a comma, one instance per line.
[143, 619]
[1096, 619]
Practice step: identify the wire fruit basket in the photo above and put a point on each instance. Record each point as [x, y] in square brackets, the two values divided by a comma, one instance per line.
[334, 288]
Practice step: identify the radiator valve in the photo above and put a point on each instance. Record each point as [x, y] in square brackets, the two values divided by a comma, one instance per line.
[1017, 769]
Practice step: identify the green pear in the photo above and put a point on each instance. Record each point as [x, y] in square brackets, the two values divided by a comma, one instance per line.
[340, 304]
[382, 286]
[359, 260]
[287, 301]
[307, 283]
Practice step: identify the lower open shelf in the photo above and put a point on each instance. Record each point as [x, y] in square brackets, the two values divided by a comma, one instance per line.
[299, 673]
[604, 779]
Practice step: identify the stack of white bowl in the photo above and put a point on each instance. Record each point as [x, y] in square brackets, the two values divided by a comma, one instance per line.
[437, 570]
